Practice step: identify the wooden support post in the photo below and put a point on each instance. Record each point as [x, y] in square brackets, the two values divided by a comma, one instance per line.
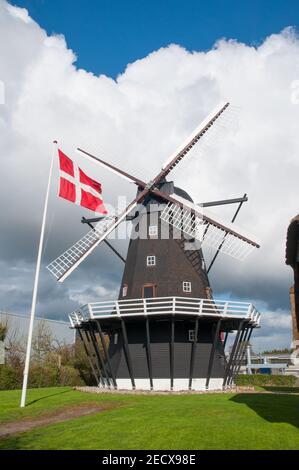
[106, 353]
[149, 353]
[227, 369]
[212, 353]
[238, 354]
[193, 353]
[250, 330]
[88, 342]
[171, 352]
[225, 340]
[98, 355]
[97, 378]
[127, 352]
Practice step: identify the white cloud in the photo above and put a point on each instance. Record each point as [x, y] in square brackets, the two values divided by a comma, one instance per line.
[136, 122]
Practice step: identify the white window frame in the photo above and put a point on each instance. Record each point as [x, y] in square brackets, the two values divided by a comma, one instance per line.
[187, 286]
[153, 231]
[151, 260]
[191, 335]
[125, 290]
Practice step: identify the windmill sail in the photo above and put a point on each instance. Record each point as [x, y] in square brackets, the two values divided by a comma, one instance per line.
[196, 135]
[67, 261]
[185, 217]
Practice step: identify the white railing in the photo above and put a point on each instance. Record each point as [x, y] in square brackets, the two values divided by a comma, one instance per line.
[165, 305]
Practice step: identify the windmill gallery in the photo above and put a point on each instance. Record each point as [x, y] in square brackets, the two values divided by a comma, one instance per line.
[165, 331]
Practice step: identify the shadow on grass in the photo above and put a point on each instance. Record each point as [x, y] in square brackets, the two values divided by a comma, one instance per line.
[48, 396]
[281, 389]
[280, 408]
[10, 443]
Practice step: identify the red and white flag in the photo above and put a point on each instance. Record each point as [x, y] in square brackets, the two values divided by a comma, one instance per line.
[77, 187]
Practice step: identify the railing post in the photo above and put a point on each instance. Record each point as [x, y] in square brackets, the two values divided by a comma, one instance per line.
[90, 311]
[249, 310]
[117, 308]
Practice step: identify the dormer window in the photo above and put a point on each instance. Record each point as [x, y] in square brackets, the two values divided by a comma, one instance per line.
[187, 287]
[153, 231]
[151, 260]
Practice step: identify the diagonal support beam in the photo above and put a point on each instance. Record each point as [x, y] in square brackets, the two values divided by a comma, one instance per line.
[212, 353]
[104, 346]
[245, 342]
[232, 354]
[224, 237]
[127, 352]
[97, 378]
[193, 354]
[98, 354]
[89, 222]
[149, 353]
[172, 324]
[236, 354]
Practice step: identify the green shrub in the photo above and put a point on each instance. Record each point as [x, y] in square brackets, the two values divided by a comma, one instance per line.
[41, 376]
[9, 378]
[265, 379]
[3, 331]
[69, 376]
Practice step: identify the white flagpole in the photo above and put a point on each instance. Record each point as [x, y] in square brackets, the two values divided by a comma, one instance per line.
[35, 287]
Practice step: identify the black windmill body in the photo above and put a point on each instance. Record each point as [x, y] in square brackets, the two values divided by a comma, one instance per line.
[165, 331]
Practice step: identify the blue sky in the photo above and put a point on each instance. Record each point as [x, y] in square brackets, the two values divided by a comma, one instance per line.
[106, 35]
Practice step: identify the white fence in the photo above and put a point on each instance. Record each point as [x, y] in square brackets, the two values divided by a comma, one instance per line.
[165, 305]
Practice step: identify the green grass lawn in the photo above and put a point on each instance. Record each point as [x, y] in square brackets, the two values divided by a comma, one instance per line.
[212, 421]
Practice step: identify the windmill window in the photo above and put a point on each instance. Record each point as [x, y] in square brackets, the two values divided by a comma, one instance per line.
[125, 290]
[191, 335]
[187, 286]
[153, 230]
[151, 260]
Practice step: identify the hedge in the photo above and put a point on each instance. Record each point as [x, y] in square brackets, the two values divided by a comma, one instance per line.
[39, 376]
[265, 379]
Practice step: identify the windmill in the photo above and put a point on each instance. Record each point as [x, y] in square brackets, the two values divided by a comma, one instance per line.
[165, 331]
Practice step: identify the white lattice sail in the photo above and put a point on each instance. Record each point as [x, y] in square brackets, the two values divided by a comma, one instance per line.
[206, 232]
[68, 260]
[183, 220]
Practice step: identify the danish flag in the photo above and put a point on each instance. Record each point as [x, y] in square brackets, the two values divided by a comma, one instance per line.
[77, 187]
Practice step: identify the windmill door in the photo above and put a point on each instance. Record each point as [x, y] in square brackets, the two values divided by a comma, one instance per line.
[149, 291]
